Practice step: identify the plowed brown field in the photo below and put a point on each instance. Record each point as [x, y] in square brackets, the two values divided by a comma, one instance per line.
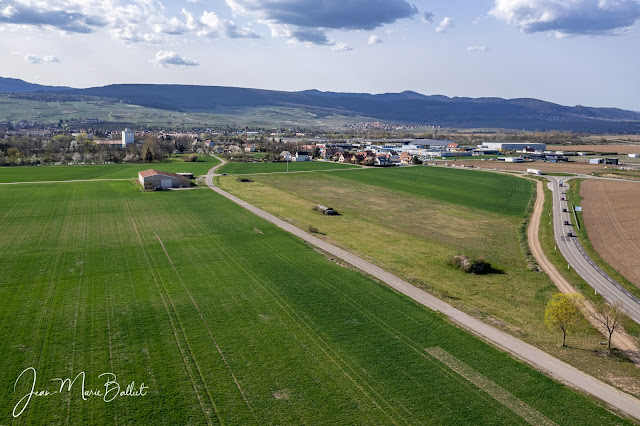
[611, 212]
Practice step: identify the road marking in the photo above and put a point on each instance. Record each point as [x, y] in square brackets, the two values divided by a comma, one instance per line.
[522, 409]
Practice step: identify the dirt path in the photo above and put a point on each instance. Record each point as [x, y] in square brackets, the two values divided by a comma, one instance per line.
[541, 360]
[620, 339]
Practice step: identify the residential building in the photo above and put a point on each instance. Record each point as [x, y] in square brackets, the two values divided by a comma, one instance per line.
[301, 156]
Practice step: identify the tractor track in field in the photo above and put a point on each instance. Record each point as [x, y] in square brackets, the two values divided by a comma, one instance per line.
[186, 357]
[552, 366]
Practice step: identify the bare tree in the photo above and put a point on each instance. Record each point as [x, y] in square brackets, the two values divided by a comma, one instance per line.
[610, 315]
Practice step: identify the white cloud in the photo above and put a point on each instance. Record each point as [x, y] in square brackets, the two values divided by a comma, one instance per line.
[445, 24]
[166, 58]
[216, 27]
[70, 17]
[563, 17]
[374, 39]
[341, 47]
[477, 49]
[33, 59]
[130, 21]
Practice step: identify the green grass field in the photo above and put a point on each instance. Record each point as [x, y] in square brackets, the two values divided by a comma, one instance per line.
[483, 191]
[411, 221]
[248, 168]
[227, 319]
[107, 171]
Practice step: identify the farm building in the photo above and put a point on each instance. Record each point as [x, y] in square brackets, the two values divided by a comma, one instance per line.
[634, 155]
[158, 179]
[514, 146]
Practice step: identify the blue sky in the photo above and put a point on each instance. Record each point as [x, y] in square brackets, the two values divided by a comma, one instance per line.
[565, 51]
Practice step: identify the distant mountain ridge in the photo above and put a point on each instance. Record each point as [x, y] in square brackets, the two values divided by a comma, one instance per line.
[14, 85]
[404, 107]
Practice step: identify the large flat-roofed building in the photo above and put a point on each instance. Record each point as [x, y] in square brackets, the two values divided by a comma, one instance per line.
[514, 146]
[153, 179]
[127, 137]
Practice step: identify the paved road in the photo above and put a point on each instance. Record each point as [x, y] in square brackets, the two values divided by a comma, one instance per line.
[543, 361]
[621, 339]
[572, 250]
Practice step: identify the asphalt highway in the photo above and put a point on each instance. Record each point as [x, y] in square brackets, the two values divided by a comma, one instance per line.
[572, 250]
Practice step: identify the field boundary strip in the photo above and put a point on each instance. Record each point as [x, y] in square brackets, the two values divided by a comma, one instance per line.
[522, 409]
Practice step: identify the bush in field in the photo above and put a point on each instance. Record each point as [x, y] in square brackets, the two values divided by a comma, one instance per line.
[314, 230]
[471, 266]
[191, 158]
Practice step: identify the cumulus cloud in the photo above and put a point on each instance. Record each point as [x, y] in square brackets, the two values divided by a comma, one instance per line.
[374, 39]
[215, 27]
[305, 19]
[130, 21]
[35, 59]
[445, 24]
[166, 58]
[341, 47]
[175, 26]
[69, 19]
[477, 49]
[576, 17]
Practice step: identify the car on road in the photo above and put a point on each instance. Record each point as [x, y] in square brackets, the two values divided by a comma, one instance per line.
[566, 222]
[224, 174]
[565, 210]
[570, 234]
[562, 198]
